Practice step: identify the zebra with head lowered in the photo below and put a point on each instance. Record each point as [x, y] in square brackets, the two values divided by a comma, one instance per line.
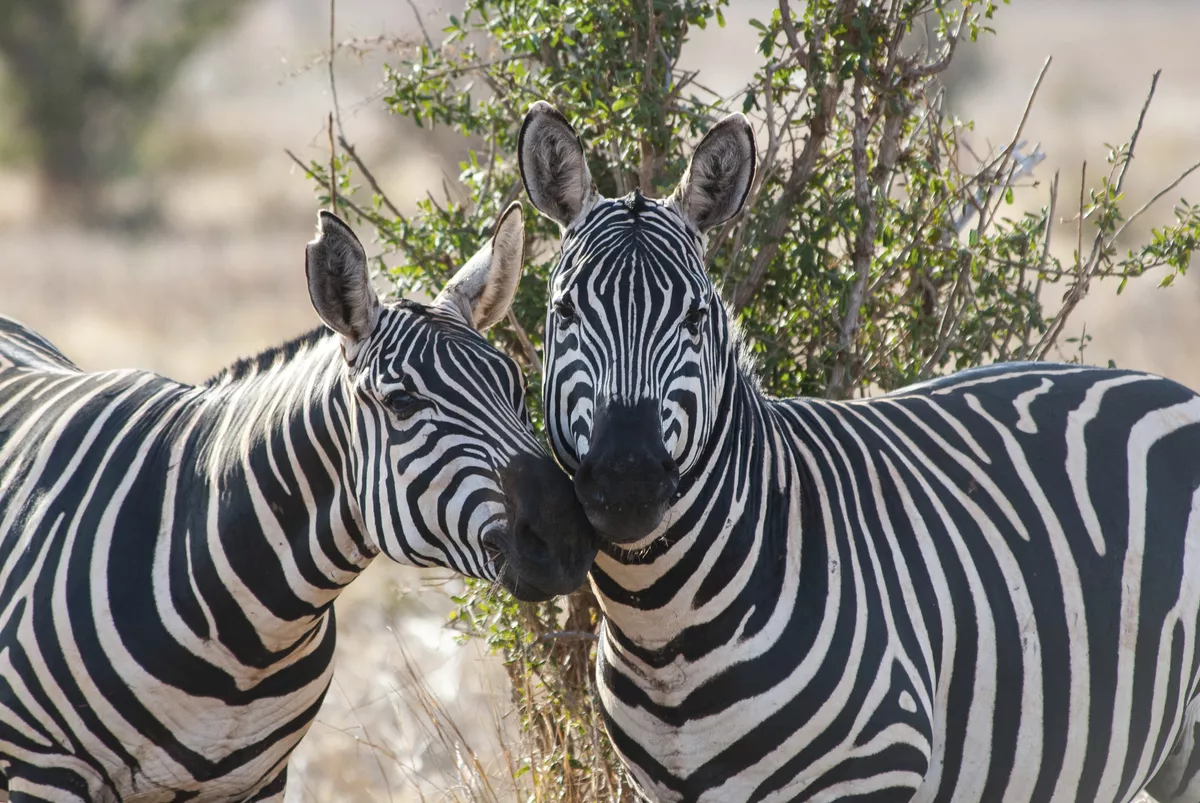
[983, 588]
[169, 555]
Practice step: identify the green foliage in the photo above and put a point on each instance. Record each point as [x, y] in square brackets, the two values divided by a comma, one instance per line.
[875, 250]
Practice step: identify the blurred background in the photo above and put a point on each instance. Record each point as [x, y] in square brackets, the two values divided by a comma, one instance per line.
[150, 216]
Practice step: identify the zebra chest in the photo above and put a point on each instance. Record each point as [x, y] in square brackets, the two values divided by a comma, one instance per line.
[688, 734]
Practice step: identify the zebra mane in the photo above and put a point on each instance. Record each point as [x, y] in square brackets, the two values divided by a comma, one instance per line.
[263, 361]
[252, 366]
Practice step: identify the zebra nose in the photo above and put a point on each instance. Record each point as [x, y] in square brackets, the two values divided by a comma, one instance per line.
[632, 485]
[627, 478]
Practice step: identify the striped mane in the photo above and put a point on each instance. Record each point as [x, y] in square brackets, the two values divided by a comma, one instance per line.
[257, 364]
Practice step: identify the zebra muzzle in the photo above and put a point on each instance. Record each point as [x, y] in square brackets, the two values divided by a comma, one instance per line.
[628, 478]
[548, 546]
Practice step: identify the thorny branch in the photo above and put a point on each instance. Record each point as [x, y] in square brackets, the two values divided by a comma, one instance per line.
[1100, 256]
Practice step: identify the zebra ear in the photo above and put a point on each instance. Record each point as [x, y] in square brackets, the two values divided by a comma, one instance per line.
[718, 179]
[483, 289]
[553, 166]
[341, 291]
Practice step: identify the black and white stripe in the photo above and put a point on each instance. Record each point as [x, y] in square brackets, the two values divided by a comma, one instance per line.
[983, 588]
[169, 554]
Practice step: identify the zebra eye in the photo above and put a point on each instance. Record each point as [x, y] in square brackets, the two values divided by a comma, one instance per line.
[695, 319]
[565, 310]
[403, 404]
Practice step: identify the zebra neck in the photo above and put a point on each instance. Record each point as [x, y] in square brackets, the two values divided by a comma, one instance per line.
[267, 491]
[723, 545]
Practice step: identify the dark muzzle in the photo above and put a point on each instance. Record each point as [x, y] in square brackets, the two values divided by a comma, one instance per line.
[550, 545]
[627, 480]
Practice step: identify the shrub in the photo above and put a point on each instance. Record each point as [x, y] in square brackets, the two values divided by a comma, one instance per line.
[875, 249]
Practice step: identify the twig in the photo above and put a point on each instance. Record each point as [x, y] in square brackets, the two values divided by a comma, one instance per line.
[1079, 219]
[358, 210]
[864, 248]
[1157, 197]
[526, 344]
[337, 112]
[1003, 164]
[358, 45]
[333, 195]
[789, 30]
[421, 22]
[575, 635]
[375, 188]
[370, 740]
[951, 315]
[802, 170]
[935, 67]
[1137, 130]
[459, 70]
[1041, 266]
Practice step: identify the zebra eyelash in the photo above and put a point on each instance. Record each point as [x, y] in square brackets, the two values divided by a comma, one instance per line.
[564, 308]
[694, 320]
[403, 404]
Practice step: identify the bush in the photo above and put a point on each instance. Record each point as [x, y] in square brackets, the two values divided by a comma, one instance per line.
[874, 250]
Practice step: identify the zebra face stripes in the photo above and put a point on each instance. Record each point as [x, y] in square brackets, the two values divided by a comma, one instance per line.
[984, 589]
[444, 463]
[169, 554]
[638, 344]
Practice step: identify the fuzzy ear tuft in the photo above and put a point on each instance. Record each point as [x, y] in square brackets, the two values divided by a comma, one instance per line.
[483, 289]
[720, 174]
[553, 166]
[338, 283]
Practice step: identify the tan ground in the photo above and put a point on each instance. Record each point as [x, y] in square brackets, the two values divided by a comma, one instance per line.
[224, 279]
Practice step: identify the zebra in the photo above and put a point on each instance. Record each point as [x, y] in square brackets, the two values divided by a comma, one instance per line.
[980, 588]
[169, 554]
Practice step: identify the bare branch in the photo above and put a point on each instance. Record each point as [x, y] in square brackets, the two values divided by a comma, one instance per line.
[573, 635]
[421, 23]
[375, 188]
[799, 52]
[802, 170]
[1155, 199]
[1137, 130]
[333, 194]
[324, 184]
[864, 248]
[1002, 167]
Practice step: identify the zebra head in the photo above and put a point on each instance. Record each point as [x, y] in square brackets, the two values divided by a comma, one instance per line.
[638, 344]
[444, 464]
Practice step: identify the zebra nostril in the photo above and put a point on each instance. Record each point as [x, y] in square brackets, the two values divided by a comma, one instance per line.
[669, 465]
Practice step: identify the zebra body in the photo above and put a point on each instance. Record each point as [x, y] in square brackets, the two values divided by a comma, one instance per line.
[169, 554]
[983, 588]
